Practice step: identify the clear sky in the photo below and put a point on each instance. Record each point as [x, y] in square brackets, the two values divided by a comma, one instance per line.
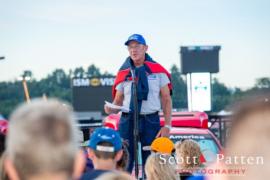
[44, 35]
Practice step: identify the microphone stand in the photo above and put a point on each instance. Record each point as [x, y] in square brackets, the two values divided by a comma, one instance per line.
[135, 122]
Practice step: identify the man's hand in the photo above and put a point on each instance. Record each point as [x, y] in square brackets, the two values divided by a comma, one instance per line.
[107, 109]
[110, 110]
[118, 100]
[163, 132]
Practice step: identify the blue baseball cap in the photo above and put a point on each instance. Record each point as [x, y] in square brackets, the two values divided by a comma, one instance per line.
[105, 135]
[136, 37]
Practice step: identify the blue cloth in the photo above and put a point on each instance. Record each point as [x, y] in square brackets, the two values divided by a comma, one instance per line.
[198, 177]
[142, 85]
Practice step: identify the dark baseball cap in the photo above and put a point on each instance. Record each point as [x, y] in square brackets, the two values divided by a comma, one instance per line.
[136, 37]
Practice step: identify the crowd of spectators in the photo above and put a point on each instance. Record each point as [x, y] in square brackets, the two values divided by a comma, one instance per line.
[40, 142]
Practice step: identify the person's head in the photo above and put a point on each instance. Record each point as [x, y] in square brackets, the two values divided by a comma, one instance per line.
[137, 48]
[188, 151]
[122, 164]
[41, 141]
[249, 137]
[162, 145]
[159, 166]
[105, 148]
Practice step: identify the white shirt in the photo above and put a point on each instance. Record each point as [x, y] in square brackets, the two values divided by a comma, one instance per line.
[153, 104]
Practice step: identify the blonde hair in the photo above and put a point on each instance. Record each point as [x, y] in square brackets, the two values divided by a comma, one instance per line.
[41, 138]
[188, 149]
[158, 167]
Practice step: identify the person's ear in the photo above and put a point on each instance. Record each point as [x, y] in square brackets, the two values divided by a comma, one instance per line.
[10, 170]
[90, 153]
[119, 155]
[146, 48]
[79, 164]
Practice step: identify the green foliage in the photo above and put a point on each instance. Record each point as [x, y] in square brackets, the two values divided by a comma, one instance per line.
[92, 71]
[58, 84]
[79, 72]
[263, 83]
[27, 73]
[11, 94]
[220, 95]
[179, 97]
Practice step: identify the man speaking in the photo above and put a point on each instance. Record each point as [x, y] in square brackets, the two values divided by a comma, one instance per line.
[153, 92]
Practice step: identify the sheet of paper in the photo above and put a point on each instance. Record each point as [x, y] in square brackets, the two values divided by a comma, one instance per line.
[113, 106]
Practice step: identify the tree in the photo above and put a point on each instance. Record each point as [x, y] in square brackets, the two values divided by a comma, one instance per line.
[93, 71]
[179, 97]
[221, 96]
[263, 82]
[58, 84]
[79, 72]
[27, 73]
[11, 94]
[59, 75]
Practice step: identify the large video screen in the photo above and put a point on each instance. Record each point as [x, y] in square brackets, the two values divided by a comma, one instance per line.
[200, 59]
[89, 94]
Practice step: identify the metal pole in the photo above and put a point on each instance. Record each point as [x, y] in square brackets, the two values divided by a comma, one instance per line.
[219, 129]
[135, 121]
[26, 92]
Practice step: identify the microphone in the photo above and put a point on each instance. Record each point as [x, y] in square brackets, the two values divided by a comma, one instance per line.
[133, 74]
